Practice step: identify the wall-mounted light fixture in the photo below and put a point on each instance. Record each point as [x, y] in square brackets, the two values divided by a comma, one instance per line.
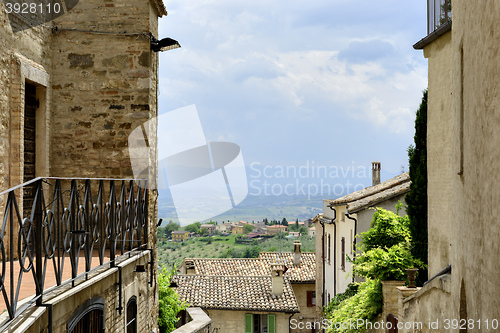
[164, 44]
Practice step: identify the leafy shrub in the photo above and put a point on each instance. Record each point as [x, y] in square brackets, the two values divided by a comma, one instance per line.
[169, 304]
[364, 305]
[390, 264]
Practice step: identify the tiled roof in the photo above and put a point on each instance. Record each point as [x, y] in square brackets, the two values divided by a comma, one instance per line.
[372, 190]
[303, 272]
[230, 267]
[250, 293]
[370, 201]
[160, 7]
[179, 232]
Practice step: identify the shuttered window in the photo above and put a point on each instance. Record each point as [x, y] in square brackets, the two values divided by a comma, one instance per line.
[311, 298]
[248, 323]
[342, 260]
[271, 323]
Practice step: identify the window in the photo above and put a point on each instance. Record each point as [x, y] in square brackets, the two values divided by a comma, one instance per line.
[29, 145]
[132, 315]
[311, 298]
[260, 323]
[88, 318]
[342, 248]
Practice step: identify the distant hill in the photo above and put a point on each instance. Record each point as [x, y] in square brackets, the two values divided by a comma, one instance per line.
[255, 208]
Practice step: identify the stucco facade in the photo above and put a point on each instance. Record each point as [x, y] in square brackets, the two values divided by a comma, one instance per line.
[234, 321]
[336, 231]
[463, 169]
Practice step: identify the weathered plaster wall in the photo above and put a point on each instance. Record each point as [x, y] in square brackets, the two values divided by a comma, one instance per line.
[442, 164]
[463, 160]
[234, 321]
[307, 312]
[475, 258]
[427, 309]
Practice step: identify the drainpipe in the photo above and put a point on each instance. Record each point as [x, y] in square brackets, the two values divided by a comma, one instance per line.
[289, 325]
[334, 251]
[355, 233]
[323, 262]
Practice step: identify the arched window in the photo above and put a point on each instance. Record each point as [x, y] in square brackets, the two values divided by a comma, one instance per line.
[132, 315]
[88, 318]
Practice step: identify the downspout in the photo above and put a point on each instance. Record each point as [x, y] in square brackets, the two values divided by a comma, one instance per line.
[334, 251]
[323, 263]
[289, 325]
[355, 233]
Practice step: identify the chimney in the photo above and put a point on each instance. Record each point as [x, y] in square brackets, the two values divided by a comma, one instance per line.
[296, 252]
[376, 173]
[277, 279]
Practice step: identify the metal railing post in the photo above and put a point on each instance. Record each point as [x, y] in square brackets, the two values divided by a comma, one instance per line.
[38, 220]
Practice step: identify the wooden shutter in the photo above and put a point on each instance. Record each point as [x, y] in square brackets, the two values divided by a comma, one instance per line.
[248, 323]
[343, 253]
[271, 324]
[309, 299]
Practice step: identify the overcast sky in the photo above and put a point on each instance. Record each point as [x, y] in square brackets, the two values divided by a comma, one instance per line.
[334, 83]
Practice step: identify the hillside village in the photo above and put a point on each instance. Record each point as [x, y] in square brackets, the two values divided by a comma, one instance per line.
[84, 250]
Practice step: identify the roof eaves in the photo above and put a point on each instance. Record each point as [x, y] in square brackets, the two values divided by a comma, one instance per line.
[370, 190]
[444, 28]
[370, 201]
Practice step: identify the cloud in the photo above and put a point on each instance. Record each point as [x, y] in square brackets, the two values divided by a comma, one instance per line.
[269, 74]
[359, 52]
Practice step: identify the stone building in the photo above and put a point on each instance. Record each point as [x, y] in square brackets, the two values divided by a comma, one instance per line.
[71, 91]
[341, 221]
[247, 295]
[463, 155]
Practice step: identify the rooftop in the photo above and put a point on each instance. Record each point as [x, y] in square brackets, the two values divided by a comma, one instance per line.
[374, 194]
[305, 272]
[249, 293]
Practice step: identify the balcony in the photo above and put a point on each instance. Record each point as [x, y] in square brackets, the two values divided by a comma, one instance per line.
[438, 13]
[69, 231]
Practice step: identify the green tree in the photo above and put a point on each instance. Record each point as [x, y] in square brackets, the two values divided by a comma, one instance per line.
[284, 222]
[416, 200]
[171, 226]
[169, 304]
[193, 227]
[247, 228]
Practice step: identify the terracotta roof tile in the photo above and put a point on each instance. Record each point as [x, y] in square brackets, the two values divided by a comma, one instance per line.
[303, 272]
[251, 293]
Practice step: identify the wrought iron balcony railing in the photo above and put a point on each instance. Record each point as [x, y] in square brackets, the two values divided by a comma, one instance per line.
[438, 13]
[69, 219]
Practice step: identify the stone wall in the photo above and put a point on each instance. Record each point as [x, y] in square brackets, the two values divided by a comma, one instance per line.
[104, 284]
[96, 81]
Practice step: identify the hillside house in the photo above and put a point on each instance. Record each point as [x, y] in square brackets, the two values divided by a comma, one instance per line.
[342, 220]
[253, 292]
